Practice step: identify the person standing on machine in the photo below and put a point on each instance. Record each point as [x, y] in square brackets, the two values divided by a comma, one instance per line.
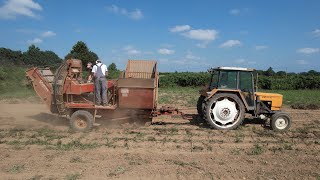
[99, 73]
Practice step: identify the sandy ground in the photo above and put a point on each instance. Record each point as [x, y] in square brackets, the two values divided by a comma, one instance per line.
[35, 144]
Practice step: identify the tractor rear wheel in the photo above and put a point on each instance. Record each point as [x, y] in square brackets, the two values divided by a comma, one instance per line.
[81, 121]
[280, 122]
[224, 111]
[200, 106]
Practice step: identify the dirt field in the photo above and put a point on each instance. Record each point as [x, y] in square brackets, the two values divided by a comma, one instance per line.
[35, 144]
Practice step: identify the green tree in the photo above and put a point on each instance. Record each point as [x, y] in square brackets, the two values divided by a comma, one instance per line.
[81, 51]
[10, 57]
[113, 72]
[281, 73]
[34, 56]
[313, 73]
[269, 72]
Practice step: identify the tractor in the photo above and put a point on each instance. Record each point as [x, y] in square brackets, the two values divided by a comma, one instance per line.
[232, 92]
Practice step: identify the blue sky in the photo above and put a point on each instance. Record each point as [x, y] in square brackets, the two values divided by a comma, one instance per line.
[181, 35]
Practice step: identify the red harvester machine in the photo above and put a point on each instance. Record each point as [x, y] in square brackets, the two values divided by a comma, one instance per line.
[134, 94]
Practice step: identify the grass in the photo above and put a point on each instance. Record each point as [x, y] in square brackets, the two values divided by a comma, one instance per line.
[256, 150]
[16, 169]
[189, 95]
[239, 136]
[18, 93]
[49, 134]
[36, 177]
[73, 176]
[76, 144]
[119, 170]
[291, 97]
[186, 96]
[236, 151]
[76, 159]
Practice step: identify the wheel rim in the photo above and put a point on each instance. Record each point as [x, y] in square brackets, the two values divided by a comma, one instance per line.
[81, 123]
[224, 113]
[281, 123]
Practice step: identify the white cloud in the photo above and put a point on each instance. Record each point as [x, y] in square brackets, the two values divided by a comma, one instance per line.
[240, 61]
[165, 51]
[130, 50]
[230, 43]
[180, 28]
[13, 8]
[128, 47]
[202, 34]
[203, 44]
[135, 14]
[261, 47]
[302, 62]
[190, 55]
[133, 52]
[35, 41]
[41, 36]
[48, 34]
[243, 61]
[234, 11]
[316, 33]
[308, 50]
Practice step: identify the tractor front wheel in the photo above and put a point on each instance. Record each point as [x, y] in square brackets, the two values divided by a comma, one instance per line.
[280, 121]
[81, 121]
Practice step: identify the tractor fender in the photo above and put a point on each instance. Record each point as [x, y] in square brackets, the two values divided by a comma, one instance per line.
[237, 92]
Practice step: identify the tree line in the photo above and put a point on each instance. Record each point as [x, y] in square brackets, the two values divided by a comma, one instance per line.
[267, 79]
[34, 56]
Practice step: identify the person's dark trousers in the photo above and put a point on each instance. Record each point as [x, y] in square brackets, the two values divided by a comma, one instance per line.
[101, 90]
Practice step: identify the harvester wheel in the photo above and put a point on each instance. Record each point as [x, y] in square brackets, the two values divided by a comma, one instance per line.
[224, 111]
[280, 121]
[81, 121]
[200, 106]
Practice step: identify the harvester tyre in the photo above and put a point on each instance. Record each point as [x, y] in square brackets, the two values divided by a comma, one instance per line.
[81, 121]
[200, 106]
[280, 122]
[224, 111]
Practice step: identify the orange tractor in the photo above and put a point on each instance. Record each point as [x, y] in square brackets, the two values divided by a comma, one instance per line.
[231, 93]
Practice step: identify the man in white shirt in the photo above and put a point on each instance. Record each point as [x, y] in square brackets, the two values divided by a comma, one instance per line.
[99, 73]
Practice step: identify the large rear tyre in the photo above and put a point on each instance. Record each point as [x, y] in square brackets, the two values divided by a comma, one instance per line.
[200, 106]
[280, 122]
[81, 121]
[224, 111]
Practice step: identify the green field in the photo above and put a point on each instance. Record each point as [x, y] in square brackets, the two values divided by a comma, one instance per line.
[291, 97]
[189, 95]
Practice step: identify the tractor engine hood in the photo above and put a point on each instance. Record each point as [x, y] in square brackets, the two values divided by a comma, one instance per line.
[275, 99]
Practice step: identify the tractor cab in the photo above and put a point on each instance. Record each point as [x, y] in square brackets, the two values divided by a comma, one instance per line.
[234, 79]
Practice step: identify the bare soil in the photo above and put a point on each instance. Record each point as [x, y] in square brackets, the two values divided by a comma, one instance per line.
[34, 144]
